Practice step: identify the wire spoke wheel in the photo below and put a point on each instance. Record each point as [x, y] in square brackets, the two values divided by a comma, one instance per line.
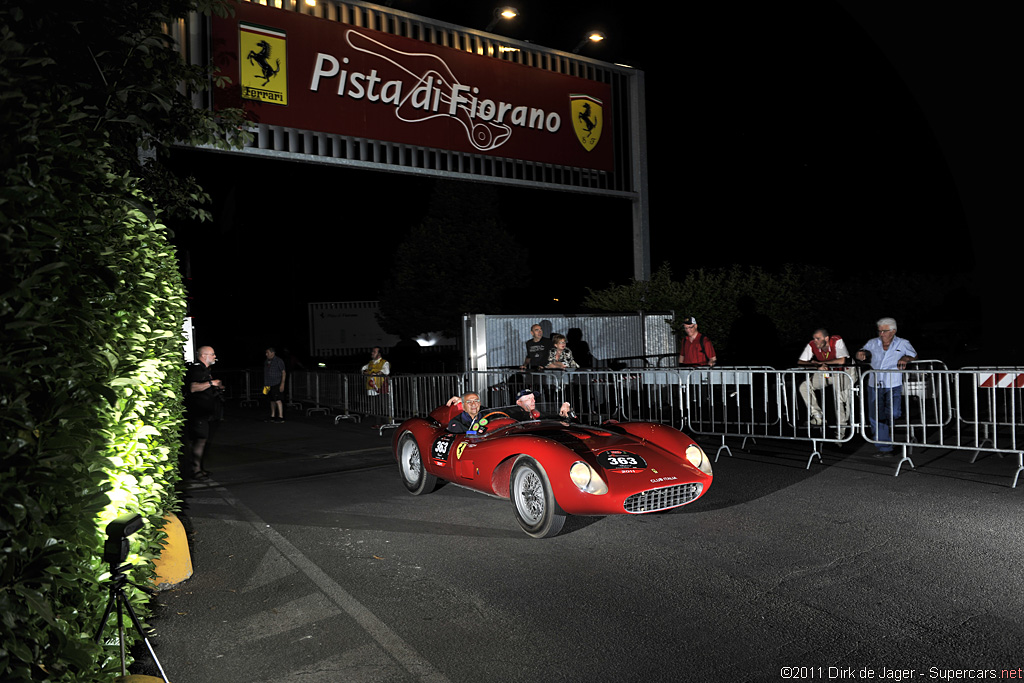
[410, 465]
[533, 501]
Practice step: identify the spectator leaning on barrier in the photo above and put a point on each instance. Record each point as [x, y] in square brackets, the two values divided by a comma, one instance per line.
[824, 352]
[274, 374]
[885, 394]
[695, 349]
[537, 349]
[560, 358]
[376, 371]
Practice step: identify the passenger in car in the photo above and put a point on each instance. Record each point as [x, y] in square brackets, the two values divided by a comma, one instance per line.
[526, 408]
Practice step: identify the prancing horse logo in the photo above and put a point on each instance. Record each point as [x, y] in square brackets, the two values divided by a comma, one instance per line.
[584, 117]
[262, 58]
[587, 119]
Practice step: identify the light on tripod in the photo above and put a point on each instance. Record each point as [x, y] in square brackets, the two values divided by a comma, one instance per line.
[115, 549]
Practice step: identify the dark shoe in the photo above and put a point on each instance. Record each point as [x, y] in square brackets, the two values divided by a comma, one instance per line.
[882, 454]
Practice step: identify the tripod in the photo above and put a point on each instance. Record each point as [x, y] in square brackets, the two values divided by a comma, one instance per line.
[117, 580]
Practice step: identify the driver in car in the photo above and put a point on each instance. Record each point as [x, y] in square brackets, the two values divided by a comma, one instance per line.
[525, 409]
[470, 409]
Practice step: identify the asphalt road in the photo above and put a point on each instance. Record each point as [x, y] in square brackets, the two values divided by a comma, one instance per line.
[313, 564]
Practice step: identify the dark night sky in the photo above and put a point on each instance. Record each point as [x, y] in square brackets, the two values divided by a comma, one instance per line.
[812, 131]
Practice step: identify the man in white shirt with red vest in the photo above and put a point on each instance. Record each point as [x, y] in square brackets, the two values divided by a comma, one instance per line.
[824, 352]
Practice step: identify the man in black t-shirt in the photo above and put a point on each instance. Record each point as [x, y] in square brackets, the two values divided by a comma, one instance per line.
[202, 395]
[537, 349]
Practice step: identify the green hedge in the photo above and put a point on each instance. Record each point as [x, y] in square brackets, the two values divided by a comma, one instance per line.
[91, 307]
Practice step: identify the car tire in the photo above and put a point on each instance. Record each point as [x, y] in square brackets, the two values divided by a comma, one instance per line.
[533, 501]
[410, 466]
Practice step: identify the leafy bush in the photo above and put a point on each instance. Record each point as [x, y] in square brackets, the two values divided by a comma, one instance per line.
[91, 306]
[759, 317]
[718, 299]
[460, 258]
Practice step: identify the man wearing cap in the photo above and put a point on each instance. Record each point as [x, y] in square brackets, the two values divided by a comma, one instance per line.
[526, 408]
[695, 349]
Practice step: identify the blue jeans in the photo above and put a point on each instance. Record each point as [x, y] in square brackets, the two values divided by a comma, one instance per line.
[884, 407]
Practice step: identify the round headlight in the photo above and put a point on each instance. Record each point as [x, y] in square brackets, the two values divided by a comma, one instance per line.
[695, 456]
[587, 479]
[580, 475]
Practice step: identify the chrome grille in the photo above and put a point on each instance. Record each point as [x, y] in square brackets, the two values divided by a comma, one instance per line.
[662, 499]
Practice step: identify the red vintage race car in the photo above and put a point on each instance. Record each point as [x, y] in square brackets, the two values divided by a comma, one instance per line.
[550, 469]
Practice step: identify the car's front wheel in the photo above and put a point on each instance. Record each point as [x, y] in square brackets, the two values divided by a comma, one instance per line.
[533, 501]
[410, 466]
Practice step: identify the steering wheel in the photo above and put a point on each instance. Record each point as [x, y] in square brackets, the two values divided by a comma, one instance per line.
[481, 422]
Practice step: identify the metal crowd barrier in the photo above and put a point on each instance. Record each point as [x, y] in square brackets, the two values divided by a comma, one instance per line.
[391, 398]
[925, 409]
[972, 409]
[596, 396]
[978, 409]
[987, 404]
[634, 394]
[999, 400]
[355, 395]
[416, 395]
[758, 402]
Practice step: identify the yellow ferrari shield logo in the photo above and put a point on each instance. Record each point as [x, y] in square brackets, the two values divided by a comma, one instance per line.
[262, 60]
[587, 119]
[458, 451]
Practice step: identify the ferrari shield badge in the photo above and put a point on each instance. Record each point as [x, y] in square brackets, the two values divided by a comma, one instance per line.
[263, 63]
[587, 119]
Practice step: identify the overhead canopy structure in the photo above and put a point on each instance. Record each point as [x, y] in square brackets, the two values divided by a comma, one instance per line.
[364, 86]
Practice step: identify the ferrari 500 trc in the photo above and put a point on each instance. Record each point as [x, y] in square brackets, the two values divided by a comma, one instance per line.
[550, 469]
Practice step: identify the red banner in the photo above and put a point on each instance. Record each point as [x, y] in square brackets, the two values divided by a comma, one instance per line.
[308, 73]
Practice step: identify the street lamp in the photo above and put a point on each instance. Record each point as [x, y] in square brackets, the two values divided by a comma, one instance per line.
[507, 12]
[592, 37]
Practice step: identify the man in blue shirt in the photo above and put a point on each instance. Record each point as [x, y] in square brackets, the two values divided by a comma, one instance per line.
[885, 393]
[470, 410]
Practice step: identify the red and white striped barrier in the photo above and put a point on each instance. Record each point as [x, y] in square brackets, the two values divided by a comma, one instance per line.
[1001, 380]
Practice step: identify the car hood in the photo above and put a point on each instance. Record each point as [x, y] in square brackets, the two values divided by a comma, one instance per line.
[596, 442]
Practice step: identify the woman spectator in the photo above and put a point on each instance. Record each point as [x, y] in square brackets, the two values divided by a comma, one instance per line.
[560, 358]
